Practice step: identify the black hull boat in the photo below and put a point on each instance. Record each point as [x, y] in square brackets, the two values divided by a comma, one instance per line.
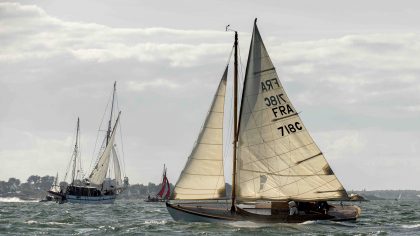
[222, 213]
[155, 200]
[279, 174]
[84, 195]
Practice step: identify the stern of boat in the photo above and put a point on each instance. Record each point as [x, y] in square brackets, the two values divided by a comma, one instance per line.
[344, 212]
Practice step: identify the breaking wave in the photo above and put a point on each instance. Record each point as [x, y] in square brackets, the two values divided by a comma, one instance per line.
[15, 199]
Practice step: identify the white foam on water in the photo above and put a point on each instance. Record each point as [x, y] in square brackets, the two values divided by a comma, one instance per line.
[31, 222]
[15, 199]
[155, 222]
[309, 222]
[58, 223]
[411, 226]
[247, 224]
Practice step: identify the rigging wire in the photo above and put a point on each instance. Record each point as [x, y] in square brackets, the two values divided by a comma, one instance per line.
[71, 157]
[97, 137]
[222, 166]
[121, 137]
[79, 153]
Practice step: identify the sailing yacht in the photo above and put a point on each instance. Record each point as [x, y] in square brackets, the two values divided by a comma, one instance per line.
[279, 173]
[98, 187]
[164, 192]
[54, 188]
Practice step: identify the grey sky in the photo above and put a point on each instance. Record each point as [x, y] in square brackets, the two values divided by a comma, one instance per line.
[353, 69]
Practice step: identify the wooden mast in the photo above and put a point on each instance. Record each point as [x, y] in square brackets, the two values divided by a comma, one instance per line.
[108, 132]
[73, 174]
[235, 121]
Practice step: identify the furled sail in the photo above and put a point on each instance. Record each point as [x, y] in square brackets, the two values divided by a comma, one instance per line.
[117, 170]
[98, 174]
[277, 158]
[203, 174]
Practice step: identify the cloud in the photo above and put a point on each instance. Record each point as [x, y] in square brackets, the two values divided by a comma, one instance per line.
[161, 83]
[339, 143]
[28, 32]
[371, 158]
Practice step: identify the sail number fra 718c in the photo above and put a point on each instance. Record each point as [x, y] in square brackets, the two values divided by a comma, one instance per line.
[290, 128]
[278, 104]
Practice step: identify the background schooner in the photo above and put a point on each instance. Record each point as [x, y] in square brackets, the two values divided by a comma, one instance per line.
[99, 187]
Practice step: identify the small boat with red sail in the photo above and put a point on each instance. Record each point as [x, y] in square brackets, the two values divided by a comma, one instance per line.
[164, 192]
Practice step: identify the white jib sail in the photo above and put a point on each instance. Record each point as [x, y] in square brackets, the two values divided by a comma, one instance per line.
[99, 172]
[277, 158]
[117, 170]
[203, 174]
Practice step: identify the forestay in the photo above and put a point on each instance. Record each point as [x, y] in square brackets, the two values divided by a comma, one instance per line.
[277, 159]
[203, 174]
[99, 172]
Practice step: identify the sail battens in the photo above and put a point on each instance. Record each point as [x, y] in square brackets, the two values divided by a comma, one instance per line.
[341, 190]
[276, 154]
[300, 195]
[319, 154]
[277, 158]
[284, 117]
[262, 71]
[204, 167]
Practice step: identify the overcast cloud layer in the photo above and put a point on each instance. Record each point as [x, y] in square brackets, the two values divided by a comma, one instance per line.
[359, 94]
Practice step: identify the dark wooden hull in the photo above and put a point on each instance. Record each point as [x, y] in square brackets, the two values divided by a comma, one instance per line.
[192, 213]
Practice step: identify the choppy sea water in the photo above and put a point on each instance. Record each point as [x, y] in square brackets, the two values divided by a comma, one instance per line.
[135, 217]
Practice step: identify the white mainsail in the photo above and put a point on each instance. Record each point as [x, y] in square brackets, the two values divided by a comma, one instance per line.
[203, 174]
[55, 187]
[277, 158]
[117, 170]
[98, 174]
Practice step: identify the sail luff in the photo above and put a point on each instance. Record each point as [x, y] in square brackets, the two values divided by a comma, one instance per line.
[235, 121]
[75, 153]
[108, 132]
[117, 169]
[277, 158]
[203, 175]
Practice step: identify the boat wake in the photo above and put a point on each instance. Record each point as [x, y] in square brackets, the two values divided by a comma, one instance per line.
[309, 222]
[15, 199]
[247, 224]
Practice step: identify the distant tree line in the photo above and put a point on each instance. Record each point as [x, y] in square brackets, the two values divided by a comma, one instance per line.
[34, 187]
